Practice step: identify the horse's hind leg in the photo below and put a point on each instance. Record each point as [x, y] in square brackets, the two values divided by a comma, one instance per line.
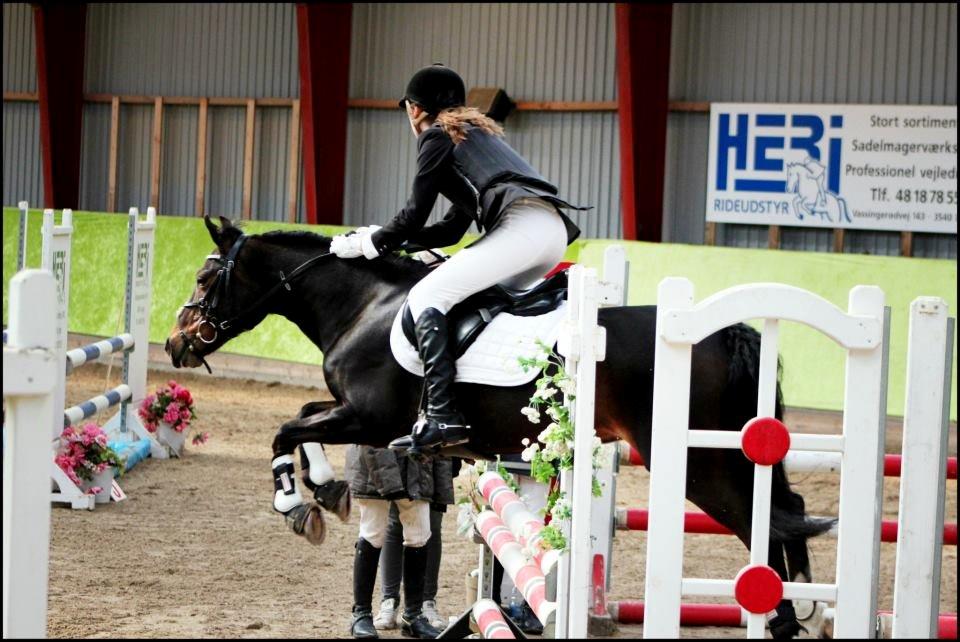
[720, 482]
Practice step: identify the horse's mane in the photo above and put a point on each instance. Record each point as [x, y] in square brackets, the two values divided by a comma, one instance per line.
[303, 240]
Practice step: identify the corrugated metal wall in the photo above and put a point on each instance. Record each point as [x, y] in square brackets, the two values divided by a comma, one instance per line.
[902, 53]
[562, 52]
[244, 50]
[22, 178]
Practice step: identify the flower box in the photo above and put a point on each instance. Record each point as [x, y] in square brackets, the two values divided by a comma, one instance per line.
[102, 480]
[171, 438]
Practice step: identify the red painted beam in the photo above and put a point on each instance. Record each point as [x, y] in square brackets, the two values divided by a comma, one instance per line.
[60, 39]
[323, 34]
[692, 614]
[643, 74]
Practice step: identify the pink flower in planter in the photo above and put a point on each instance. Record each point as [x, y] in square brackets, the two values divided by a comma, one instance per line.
[172, 413]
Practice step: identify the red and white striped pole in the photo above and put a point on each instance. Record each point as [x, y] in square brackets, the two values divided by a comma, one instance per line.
[490, 621]
[527, 577]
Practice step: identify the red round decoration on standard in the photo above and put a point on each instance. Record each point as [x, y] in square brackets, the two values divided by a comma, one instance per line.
[765, 440]
[758, 588]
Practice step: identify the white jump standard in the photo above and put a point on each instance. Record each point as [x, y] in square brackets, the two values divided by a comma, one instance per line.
[125, 425]
[764, 440]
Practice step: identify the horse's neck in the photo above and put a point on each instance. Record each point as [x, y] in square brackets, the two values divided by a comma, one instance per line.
[329, 301]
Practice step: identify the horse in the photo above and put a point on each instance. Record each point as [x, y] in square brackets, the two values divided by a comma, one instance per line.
[346, 308]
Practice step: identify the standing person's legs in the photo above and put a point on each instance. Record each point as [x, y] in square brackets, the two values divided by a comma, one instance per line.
[391, 572]
[373, 522]
[415, 518]
[431, 577]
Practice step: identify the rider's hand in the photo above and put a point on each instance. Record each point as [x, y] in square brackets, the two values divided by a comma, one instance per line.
[356, 244]
[346, 247]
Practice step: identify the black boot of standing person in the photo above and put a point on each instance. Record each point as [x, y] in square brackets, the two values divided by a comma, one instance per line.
[412, 622]
[442, 425]
[365, 562]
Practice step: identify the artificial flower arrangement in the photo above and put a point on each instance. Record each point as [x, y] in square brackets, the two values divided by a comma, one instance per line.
[172, 404]
[550, 454]
[84, 453]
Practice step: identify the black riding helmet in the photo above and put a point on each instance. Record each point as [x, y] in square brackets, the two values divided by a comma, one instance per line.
[435, 88]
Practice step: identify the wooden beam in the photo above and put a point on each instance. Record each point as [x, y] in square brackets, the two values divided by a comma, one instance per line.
[839, 236]
[323, 38]
[556, 105]
[906, 243]
[293, 163]
[155, 152]
[60, 38]
[201, 190]
[643, 72]
[678, 106]
[20, 96]
[773, 237]
[114, 146]
[248, 160]
[692, 107]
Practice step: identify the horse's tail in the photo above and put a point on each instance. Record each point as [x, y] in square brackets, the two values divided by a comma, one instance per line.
[789, 523]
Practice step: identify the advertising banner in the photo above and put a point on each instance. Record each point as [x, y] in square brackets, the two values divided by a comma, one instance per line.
[879, 167]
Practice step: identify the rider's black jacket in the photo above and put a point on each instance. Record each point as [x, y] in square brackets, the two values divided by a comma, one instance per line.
[481, 177]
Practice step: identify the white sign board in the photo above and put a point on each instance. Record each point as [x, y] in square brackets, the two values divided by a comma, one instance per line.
[879, 167]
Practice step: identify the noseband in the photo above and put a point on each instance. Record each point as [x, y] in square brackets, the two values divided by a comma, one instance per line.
[220, 289]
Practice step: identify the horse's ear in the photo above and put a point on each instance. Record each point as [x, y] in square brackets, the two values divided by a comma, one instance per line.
[212, 229]
[225, 236]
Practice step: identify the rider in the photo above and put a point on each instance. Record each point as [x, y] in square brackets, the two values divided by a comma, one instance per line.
[462, 155]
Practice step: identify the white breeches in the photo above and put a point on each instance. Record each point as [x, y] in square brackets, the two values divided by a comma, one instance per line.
[528, 241]
[414, 517]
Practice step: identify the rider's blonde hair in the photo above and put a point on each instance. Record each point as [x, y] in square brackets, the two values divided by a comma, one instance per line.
[454, 122]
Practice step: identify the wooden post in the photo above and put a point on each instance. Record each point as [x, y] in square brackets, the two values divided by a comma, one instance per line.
[201, 157]
[906, 243]
[773, 237]
[248, 159]
[710, 234]
[293, 164]
[114, 144]
[155, 150]
[839, 236]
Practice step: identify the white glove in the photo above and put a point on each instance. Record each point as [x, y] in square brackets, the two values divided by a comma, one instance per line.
[429, 257]
[346, 247]
[355, 245]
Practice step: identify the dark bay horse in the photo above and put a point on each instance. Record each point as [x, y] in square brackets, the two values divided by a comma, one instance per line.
[346, 308]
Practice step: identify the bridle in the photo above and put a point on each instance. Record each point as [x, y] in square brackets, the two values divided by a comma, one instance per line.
[220, 288]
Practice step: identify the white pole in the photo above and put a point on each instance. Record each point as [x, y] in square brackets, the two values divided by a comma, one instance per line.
[30, 372]
[55, 257]
[668, 467]
[916, 595]
[861, 480]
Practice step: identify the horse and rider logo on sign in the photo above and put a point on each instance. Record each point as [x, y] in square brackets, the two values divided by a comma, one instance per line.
[806, 180]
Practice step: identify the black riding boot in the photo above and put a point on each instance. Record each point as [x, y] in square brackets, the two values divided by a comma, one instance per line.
[365, 562]
[412, 622]
[442, 425]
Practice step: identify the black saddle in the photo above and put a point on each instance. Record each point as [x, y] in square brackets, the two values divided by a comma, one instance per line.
[469, 317]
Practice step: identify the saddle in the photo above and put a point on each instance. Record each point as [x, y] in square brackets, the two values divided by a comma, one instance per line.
[469, 317]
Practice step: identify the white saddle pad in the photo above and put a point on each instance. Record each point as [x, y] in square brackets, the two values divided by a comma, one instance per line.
[493, 357]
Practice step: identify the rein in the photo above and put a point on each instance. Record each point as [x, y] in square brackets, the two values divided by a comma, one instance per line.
[220, 289]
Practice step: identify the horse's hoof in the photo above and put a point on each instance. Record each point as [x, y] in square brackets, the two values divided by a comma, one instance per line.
[307, 520]
[334, 496]
[782, 628]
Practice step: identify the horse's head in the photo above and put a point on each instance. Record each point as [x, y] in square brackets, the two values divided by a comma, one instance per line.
[224, 301]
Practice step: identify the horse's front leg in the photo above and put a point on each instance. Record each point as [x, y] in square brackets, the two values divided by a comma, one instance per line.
[314, 423]
[316, 472]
